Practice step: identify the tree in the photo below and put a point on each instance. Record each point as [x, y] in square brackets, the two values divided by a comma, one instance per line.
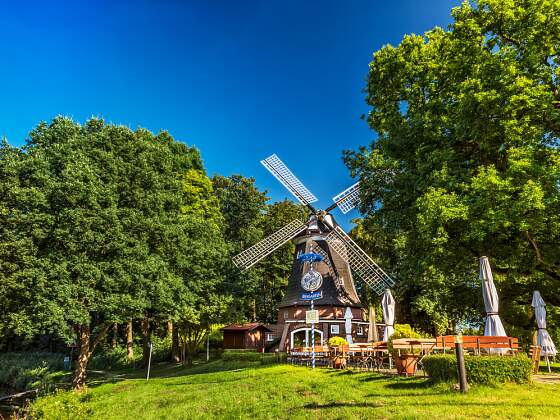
[97, 207]
[243, 207]
[467, 160]
[200, 262]
[276, 268]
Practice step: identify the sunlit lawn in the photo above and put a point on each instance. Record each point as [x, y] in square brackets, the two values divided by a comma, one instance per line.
[283, 391]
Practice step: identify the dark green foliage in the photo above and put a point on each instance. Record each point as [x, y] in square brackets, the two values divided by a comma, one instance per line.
[23, 371]
[116, 358]
[466, 164]
[480, 369]
[248, 219]
[277, 267]
[96, 228]
[242, 206]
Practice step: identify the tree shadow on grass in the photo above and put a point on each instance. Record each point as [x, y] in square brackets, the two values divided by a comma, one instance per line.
[409, 384]
[170, 370]
[454, 404]
[338, 404]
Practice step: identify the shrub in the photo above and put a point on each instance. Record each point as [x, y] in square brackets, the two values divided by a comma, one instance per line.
[336, 341]
[62, 405]
[22, 371]
[107, 358]
[403, 331]
[480, 369]
[114, 358]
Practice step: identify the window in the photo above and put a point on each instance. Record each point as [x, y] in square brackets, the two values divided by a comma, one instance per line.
[285, 314]
[269, 337]
[360, 330]
[335, 329]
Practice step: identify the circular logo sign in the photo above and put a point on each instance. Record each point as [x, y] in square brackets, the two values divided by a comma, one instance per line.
[311, 281]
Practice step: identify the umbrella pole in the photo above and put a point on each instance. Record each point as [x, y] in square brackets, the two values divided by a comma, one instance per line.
[548, 364]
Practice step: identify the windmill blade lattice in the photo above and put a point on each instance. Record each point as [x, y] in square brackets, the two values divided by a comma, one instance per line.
[360, 263]
[288, 179]
[348, 199]
[271, 243]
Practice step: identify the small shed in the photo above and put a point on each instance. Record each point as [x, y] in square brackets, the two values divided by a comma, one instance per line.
[245, 336]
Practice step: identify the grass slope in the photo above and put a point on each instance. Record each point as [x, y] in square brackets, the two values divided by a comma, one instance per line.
[283, 391]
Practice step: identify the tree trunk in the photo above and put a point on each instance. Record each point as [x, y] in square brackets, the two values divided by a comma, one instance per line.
[115, 337]
[189, 354]
[80, 373]
[175, 354]
[129, 350]
[145, 327]
[86, 348]
[169, 329]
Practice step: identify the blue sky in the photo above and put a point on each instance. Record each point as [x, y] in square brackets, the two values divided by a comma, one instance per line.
[238, 79]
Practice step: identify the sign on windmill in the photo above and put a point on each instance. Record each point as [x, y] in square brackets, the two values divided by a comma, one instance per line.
[312, 280]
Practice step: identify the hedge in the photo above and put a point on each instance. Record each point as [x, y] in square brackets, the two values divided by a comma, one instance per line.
[480, 369]
[246, 356]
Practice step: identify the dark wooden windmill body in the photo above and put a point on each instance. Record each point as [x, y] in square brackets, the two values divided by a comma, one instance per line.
[340, 310]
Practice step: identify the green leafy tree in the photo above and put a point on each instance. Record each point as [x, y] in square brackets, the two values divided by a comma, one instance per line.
[276, 268]
[201, 263]
[95, 208]
[467, 161]
[243, 208]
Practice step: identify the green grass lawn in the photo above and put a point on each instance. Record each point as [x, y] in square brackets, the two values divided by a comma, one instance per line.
[283, 391]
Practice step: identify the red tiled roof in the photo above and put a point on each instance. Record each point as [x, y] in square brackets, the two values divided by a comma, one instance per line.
[244, 327]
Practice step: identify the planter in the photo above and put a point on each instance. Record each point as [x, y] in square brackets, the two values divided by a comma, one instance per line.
[406, 364]
[339, 362]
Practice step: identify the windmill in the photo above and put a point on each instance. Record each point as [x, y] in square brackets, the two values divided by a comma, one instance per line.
[323, 249]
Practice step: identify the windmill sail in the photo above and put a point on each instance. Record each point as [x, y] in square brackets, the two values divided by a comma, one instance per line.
[288, 179]
[347, 199]
[271, 243]
[360, 263]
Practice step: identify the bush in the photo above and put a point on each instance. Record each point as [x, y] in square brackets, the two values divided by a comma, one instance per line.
[406, 331]
[114, 358]
[252, 356]
[62, 405]
[480, 369]
[23, 371]
[336, 341]
[403, 331]
[107, 358]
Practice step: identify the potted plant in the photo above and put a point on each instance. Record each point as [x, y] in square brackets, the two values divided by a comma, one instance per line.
[406, 360]
[339, 362]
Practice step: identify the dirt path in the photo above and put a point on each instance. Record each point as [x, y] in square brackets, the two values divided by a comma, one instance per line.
[549, 378]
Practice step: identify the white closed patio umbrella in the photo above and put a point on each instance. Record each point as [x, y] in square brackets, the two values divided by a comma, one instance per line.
[388, 305]
[348, 325]
[493, 326]
[372, 329]
[543, 338]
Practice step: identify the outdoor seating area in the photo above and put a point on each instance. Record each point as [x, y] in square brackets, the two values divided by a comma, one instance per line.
[364, 356]
[406, 354]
